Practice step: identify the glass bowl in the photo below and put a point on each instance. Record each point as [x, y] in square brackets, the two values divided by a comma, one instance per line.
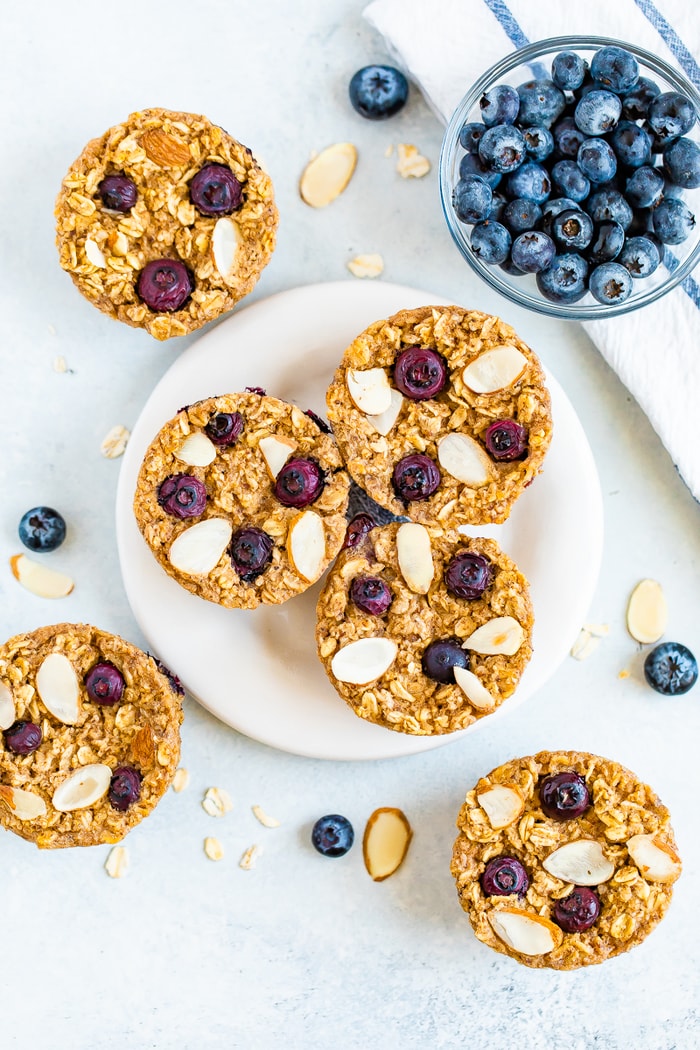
[534, 61]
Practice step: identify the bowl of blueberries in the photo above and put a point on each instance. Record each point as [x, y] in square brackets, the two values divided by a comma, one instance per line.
[567, 177]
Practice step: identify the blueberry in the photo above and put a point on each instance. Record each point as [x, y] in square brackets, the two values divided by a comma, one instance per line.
[541, 103]
[606, 244]
[173, 680]
[118, 193]
[500, 105]
[104, 684]
[42, 529]
[598, 112]
[565, 280]
[468, 575]
[259, 390]
[639, 256]
[378, 92]
[682, 163]
[615, 68]
[371, 594]
[532, 251]
[568, 70]
[320, 423]
[215, 190]
[644, 188]
[251, 552]
[631, 144]
[332, 835]
[597, 160]
[635, 104]
[225, 428]
[506, 440]
[472, 164]
[360, 525]
[416, 477]
[420, 373]
[641, 224]
[470, 136]
[503, 876]
[673, 220]
[572, 229]
[502, 148]
[299, 483]
[569, 181]
[472, 198]
[182, 495]
[531, 181]
[498, 203]
[564, 796]
[553, 207]
[509, 267]
[671, 669]
[165, 285]
[490, 241]
[22, 738]
[578, 911]
[609, 204]
[567, 138]
[539, 143]
[671, 115]
[124, 788]
[440, 659]
[610, 283]
[521, 215]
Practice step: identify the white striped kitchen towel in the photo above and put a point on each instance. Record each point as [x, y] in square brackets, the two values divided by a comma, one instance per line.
[446, 44]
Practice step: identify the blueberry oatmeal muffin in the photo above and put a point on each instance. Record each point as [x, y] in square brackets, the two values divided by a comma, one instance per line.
[441, 414]
[423, 631]
[564, 859]
[90, 735]
[165, 222]
[242, 499]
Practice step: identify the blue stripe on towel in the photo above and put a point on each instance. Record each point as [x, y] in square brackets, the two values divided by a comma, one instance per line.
[514, 33]
[670, 37]
[689, 285]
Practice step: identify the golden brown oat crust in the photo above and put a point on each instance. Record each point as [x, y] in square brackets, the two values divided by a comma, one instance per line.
[460, 336]
[403, 698]
[163, 223]
[141, 731]
[240, 489]
[622, 806]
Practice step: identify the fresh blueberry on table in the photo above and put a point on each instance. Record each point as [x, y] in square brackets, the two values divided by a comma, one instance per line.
[565, 280]
[440, 659]
[610, 283]
[332, 835]
[472, 199]
[564, 796]
[42, 529]
[639, 256]
[682, 163]
[378, 92]
[541, 103]
[503, 876]
[533, 251]
[606, 244]
[673, 220]
[598, 112]
[577, 911]
[502, 148]
[596, 159]
[371, 594]
[645, 187]
[568, 70]
[490, 241]
[500, 105]
[671, 669]
[615, 68]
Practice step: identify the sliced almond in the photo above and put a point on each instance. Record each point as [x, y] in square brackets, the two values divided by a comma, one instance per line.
[364, 661]
[276, 451]
[656, 860]
[581, 862]
[464, 459]
[24, 805]
[647, 613]
[415, 556]
[475, 691]
[264, 818]
[384, 421]
[196, 450]
[502, 805]
[327, 174]
[370, 265]
[39, 579]
[165, 149]
[525, 932]
[8, 713]
[198, 549]
[501, 636]
[84, 788]
[225, 242]
[369, 388]
[386, 841]
[306, 545]
[94, 253]
[494, 369]
[59, 689]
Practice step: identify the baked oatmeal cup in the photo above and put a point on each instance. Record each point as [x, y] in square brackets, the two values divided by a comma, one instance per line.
[90, 735]
[424, 631]
[564, 859]
[242, 499]
[441, 414]
[165, 222]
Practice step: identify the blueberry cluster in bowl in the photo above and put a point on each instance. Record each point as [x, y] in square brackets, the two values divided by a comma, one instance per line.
[579, 178]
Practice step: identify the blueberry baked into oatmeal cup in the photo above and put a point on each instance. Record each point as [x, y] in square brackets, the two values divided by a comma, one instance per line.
[564, 859]
[165, 222]
[242, 499]
[441, 414]
[90, 735]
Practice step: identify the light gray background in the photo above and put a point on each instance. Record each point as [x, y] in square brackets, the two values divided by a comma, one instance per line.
[300, 952]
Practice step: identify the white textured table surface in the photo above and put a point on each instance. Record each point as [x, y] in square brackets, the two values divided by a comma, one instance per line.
[300, 951]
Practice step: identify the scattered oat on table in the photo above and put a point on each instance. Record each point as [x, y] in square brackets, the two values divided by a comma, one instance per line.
[588, 640]
[217, 802]
[366, 265]
[249, 858]
[52, 329]
[389, 150]
[265, 820]
[624, 673]
[411, 164]
[114, 443]
[181, 780]
[117, 863]
[213, 848]
[59, 364]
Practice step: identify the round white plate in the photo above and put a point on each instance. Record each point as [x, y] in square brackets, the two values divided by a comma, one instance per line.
[258, 671]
